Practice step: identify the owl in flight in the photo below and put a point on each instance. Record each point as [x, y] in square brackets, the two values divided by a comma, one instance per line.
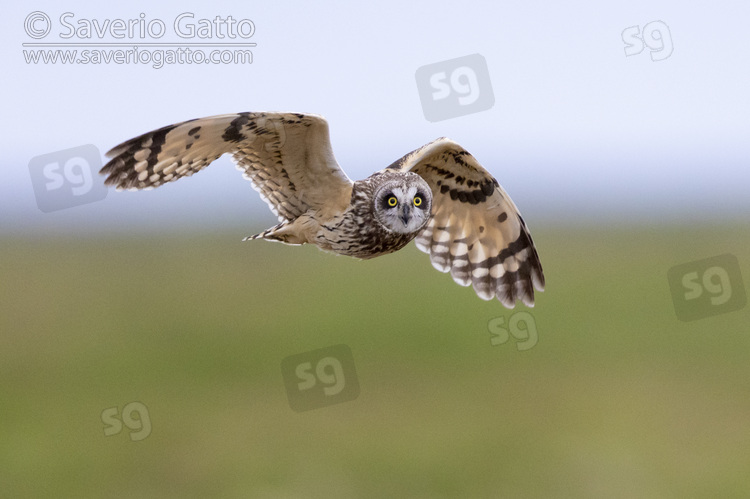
[438, 195]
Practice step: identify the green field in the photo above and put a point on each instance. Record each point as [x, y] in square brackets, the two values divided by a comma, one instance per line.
[618, 398]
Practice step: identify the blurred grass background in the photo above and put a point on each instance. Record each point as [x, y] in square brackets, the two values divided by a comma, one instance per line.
[617, 399]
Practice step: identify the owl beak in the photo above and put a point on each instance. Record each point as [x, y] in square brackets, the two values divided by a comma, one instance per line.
[405, 214]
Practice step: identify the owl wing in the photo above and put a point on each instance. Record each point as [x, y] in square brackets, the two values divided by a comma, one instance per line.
[287, 157]
[476, 232]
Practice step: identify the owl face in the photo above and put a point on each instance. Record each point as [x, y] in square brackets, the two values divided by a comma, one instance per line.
[403, 204]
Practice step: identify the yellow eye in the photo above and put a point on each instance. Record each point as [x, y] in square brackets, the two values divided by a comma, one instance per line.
[392, 201]
[417, 200]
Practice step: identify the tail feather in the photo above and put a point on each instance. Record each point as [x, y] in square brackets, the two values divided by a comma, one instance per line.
[282, 232]
[268, 233]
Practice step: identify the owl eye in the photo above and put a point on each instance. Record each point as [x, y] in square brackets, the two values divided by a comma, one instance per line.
[392, 201]
[417, 200]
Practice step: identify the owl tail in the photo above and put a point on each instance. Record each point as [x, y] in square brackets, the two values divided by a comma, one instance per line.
[283, 233]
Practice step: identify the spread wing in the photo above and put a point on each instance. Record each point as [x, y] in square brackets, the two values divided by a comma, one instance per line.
[287, 157]
[476, 232]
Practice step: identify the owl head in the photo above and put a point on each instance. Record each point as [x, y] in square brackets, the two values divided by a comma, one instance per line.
[402, 202]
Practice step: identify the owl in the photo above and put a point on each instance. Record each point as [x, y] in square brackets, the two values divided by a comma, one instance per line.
[437, 195]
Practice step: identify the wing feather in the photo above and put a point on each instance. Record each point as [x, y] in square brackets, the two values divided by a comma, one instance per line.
[287, 157]
[476, 232]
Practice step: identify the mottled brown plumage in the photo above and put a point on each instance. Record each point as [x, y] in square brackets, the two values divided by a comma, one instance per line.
[438, 194]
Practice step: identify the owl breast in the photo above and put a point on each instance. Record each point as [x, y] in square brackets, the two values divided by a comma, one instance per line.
[357, 232]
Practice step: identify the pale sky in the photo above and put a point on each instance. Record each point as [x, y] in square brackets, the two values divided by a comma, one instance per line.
[578, 130]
